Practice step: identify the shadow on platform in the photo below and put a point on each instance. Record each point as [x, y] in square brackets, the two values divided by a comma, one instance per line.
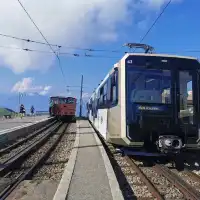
[87, 146]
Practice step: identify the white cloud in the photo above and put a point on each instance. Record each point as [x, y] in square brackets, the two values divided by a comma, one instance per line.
[66, 22]
[45, 90]
[143, 24]
[156, 4]
[26, 86]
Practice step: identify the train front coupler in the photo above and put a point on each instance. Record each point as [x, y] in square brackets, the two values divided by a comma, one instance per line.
[169, 144]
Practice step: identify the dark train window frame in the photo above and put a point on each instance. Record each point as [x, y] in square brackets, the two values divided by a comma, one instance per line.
[114, 76]
[110, 83]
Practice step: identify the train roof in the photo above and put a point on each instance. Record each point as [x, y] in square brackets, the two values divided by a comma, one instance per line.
[157, 55]
[62, 97]
[139, 54]
[149, 54]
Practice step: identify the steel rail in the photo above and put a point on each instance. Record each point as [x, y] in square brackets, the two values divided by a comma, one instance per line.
[30, 171]
[189, 192]
[7, 149]
[144, 178]
[194, 176]
[15, 160]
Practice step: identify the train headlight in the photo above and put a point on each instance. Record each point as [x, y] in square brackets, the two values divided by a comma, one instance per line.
[168, 142]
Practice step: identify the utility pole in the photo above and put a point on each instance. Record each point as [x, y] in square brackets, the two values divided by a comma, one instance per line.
[19, 99]
[80, 114]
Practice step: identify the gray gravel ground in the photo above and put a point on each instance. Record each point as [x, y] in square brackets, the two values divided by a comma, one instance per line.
[132, 186]
[16, 150]
[187, 178]
[55, 164]
[162, 184]
[49, 174]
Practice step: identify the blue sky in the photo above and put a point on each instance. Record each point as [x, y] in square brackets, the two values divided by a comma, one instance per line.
[177, 30]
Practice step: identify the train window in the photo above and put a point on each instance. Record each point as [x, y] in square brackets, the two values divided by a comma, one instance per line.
[150, 86]
[152, 82]
[98, 98]
[70, 100]
[92, 103]
[108, 89]
[113, 90]
[105, 93]
[101, 96]
[56, 101]
[186, 96]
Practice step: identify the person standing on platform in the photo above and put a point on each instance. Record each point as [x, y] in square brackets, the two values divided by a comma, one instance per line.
[32, 110]
[22, 111]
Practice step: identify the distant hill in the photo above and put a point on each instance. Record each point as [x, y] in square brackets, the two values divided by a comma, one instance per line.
[10, 110]
[6, 111]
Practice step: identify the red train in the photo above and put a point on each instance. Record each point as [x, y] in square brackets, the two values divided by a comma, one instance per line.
[63, 108]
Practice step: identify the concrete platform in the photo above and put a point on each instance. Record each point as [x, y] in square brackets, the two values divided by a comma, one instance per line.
[7, 124]
[11, 129]
[34, 190]
[88, 174]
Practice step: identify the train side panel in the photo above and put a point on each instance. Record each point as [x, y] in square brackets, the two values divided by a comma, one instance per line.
[67, 109]
[102, 122]
[116, 130]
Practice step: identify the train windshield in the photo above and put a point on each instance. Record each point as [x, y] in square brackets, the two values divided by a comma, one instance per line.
[148, 85]
[59, 100]
[67, 101]
[54, 100]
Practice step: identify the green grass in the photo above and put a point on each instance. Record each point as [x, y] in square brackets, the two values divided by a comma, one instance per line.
[4, 111]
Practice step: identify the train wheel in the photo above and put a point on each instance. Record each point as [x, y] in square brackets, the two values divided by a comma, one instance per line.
[147, 162]
[179, 163]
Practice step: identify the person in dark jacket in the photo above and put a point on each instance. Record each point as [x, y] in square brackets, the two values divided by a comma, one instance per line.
[22, 110]
[32, 110]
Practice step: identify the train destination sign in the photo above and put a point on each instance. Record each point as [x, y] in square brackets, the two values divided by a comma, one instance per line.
[148, 108]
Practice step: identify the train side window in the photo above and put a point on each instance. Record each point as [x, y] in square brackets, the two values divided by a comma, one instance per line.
[114, 83]
[98, 99]
[109, 89]
[105, 93]
[101, 96]
[93, 108]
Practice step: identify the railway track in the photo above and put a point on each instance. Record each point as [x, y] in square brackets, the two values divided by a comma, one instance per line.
[159, 182]
[10, 159]
[53, 167]
[178, 180]
[20, 142]
[24, 164]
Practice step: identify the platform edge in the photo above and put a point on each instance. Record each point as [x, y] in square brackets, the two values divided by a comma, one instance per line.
[114, 185]
[63, 187]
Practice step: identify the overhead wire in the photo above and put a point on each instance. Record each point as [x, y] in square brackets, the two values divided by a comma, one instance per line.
[43, 38]
[155, 21]
[148, 31]
[77, 48]
[59, 46]
[61, 53]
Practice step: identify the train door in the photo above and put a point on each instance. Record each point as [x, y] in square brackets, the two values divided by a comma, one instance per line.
[187, 104]
[103, 111]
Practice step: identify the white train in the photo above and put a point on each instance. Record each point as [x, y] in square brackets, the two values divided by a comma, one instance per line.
[140, 103]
